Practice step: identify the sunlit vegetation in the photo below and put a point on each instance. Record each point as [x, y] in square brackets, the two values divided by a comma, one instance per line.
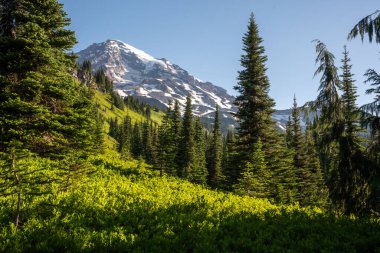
[124, 206]
[85, 170]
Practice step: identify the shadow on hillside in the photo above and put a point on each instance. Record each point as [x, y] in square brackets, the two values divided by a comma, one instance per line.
[196, 227]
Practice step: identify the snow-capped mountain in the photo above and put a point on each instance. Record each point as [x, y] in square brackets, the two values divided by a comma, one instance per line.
[156, 81]
[282, 116]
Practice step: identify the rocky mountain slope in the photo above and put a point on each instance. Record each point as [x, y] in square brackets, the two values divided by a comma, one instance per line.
[156, 81]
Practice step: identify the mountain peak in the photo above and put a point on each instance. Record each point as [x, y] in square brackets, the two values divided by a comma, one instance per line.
[156, 81]
[131, 49]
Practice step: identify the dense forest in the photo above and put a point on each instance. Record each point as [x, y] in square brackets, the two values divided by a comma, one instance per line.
[83, 169]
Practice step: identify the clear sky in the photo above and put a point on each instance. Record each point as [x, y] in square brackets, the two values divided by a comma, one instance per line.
[204, 36]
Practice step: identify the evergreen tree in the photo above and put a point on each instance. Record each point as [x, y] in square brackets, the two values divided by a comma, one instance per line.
[136, 145]
[289, 133]
[255, 109]
[147, 142]
[343, 161]
[99, 138]
[44, 111]
[229, 168]
[349, 179]
[104, 83]
[176, 121]
[215, 177]
[254, 180]
[299, 158]
[167, 145]
[41, 103]
[117, 100]
[371, 120]
[154, 134]
[315, 190]
[328, 124]
[186, 145]
[199, 173]
[85, 74]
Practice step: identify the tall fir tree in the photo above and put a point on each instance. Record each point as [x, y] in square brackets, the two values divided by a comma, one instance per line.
[137, 148]
[176, 124]
[186, 145]
[255, 107]
[199, 173]
[229, 168]
[41, 103]
[339, 145]
[44, 110]
[289, 133]
[215, 176]
[315, 190]
[298, 145]
[254, 180]
[254, 114]
[370, 118]
[329, 104]
[167, 146]
[350, 191]
[147, 142]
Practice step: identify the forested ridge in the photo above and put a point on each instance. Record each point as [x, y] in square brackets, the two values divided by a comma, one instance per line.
[83, 169]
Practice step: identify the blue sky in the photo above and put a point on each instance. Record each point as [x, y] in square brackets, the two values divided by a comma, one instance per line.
[204, 36]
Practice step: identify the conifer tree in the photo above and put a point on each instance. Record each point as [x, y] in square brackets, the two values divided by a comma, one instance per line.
[199, 173]
[167, 145]
[41, 103]
[255, 109]
[104, 83]
[315, 190]
[44, 110]
[154, 134]
[329, 104]
[85, 74]
[99, 137]
[137, 145]
[338, 138]
[147, 142]
[229, 168]
[350, 190]
[370, 118]
[215, 177]
[176, 120]
[186, 145]
[289, 133]
[299, 158]
[254, 180]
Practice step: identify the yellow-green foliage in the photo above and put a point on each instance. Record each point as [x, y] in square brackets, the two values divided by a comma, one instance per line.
[126, 207]
[104, 103]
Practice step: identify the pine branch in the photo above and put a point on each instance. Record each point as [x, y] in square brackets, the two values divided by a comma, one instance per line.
[369, 25]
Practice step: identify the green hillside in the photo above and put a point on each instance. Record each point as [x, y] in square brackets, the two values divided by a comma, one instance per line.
[105, 108]
[105, 105]
[125, 207]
